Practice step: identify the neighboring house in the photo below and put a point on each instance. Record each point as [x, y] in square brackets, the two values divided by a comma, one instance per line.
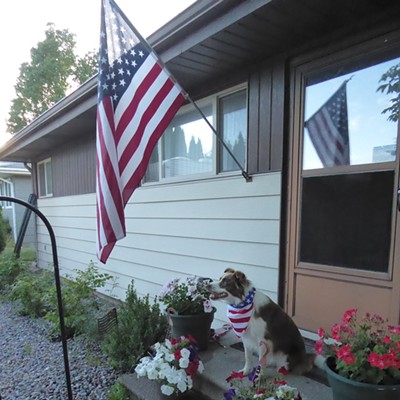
[315, 237]
[15, 181]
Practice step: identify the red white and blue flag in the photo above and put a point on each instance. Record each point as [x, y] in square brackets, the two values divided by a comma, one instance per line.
[137, 99]
[329, 132]
[239, 314]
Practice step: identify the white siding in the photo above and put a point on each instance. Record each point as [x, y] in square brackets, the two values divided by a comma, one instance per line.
[195, 228]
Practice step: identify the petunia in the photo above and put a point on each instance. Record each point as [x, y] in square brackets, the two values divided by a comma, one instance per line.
[167, 390]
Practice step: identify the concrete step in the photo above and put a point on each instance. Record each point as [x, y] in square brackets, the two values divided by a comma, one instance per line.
[219, 361]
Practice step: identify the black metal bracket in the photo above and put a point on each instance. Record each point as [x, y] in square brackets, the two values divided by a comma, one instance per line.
[58, 285]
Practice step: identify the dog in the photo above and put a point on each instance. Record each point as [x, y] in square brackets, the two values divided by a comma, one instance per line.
[262, 325]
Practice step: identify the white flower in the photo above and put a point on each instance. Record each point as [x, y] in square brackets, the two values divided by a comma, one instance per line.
[167, 390]
[182, 386]
[200, 368]
[207, 306]
[184, 362]
[283, 390]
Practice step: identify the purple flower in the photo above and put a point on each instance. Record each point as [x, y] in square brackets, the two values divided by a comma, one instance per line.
[230, 394]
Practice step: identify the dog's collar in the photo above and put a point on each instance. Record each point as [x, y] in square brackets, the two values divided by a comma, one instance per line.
[249, 299]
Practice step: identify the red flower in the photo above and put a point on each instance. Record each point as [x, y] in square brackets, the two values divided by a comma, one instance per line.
[376, 360]
[386, 339]
[177, 354]
[348, 315]
[283, 371]
[321, 332]
[192, 367]
[397, 345]
[394, 330]
[336, 332]
[318, 347]
[346, 355]
[235, 375]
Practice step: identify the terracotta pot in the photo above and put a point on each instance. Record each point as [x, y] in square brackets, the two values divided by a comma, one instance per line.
[346, 389]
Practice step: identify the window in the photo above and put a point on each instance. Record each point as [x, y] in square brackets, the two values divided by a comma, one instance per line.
[189, 147]
[349, 164]
[362, 130]
[5, 190]
[45, 178]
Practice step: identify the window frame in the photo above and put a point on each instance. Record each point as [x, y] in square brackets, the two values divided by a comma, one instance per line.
[214, 101]
[45, 164]
[6, 183]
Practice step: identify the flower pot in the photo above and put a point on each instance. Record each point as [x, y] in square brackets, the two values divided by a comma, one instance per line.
[198, 326]
[346, 389]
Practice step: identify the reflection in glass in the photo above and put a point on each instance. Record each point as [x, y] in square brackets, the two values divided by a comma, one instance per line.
[233, 111]
[372, 131]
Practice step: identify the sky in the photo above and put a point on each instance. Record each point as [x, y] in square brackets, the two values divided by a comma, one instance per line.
[23, 23]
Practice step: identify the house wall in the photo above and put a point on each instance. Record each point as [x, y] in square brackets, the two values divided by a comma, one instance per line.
[22, 186]
[22, 190]
[192, 228]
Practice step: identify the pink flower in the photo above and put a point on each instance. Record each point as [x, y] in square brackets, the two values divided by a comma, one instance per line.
[321, 332]
[345, 354]
[394, 330]
[319, 346]
[386, 339]
[348, 315]
[336, 332]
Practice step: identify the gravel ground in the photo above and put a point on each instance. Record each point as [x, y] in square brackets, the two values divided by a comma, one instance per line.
[32, 367]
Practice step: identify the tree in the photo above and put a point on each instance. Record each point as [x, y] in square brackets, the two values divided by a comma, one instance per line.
[391, 79]
[45, 79]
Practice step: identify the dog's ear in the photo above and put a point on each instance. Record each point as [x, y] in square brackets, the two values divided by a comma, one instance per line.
[229, 270]
[240, 277]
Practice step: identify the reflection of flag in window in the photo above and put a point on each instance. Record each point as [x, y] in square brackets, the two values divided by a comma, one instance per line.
[329, 131]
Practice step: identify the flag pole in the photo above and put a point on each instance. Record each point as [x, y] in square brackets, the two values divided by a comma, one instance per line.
[211, 126]
[186, 95]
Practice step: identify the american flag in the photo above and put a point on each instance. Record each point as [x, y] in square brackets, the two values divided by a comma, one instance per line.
[239, 314]
[137, 99]
[329, 132]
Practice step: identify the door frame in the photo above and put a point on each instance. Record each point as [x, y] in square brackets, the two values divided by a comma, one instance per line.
[355, 52]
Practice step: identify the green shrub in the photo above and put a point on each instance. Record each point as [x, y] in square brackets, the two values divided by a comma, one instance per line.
[10, 268]
[118, 392]
[32, 291]
[79, 300]
[5, 231]
[140, 325]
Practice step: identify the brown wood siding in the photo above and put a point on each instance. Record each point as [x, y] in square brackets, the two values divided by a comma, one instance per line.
[74, 168]
[266, 110]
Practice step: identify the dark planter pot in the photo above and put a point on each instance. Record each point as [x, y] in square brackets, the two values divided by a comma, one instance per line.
[197, 326]
[346, 389]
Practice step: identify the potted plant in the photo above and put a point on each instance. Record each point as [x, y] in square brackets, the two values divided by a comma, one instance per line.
[253, 386]
[363, 357]
[173, 364]
[188, 305]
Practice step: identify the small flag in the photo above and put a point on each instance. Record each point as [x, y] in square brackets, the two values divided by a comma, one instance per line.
[329, 131]
[137, 99]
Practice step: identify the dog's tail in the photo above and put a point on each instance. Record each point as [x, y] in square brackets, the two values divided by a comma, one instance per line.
[309, 361]
[319, 360]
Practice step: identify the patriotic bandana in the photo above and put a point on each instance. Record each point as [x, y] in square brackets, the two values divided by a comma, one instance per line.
[239, 314]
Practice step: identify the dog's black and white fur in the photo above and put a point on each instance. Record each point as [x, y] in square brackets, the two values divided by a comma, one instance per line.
[270, 329]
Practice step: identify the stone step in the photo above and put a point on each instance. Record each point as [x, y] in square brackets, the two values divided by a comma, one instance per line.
[219, 361]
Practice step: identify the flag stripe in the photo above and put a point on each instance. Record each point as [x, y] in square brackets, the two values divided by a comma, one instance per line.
[140, 170]
[145, 118]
